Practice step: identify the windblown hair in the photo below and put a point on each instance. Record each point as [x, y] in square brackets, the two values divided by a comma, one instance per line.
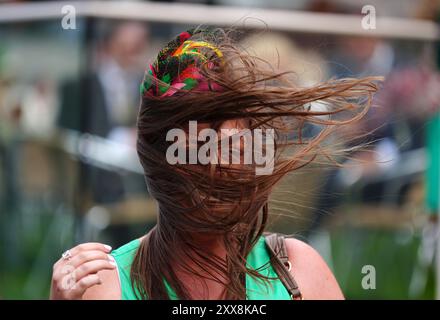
[227, 201]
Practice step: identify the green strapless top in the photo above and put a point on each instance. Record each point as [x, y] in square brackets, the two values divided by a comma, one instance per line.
[256, 289]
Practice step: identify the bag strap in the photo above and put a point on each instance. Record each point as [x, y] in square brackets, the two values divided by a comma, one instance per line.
[277, 248]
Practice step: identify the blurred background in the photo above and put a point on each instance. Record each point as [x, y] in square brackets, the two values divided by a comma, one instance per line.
[69, 173]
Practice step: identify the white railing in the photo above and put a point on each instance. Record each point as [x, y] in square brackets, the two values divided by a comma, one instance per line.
[185, 13]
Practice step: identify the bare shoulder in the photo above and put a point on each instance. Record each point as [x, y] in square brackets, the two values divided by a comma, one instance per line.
[109, 289]
[315, 279]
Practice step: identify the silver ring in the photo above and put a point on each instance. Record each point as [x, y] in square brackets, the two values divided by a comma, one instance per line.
[66, 255]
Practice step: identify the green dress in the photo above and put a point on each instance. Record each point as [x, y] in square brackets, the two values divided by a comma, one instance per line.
[256, 289]
[433, 171]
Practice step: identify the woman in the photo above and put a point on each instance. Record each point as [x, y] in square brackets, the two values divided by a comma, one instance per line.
[213, 205]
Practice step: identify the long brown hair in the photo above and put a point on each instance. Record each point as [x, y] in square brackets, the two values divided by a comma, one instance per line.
[228, 202]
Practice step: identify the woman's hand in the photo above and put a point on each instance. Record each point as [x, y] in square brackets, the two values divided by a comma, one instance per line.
[77, 270]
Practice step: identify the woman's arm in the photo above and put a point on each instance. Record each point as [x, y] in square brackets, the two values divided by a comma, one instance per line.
[315, 279]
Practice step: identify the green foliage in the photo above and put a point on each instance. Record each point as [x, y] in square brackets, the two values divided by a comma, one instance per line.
[394, 255]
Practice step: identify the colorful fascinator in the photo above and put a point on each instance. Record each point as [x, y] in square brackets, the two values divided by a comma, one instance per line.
[177, 66]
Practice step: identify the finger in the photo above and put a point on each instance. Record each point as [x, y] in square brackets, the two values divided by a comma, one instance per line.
[86, 256]
[90, 246]
[93, 267]
[84, 247]
[69, 267]
[82, 285]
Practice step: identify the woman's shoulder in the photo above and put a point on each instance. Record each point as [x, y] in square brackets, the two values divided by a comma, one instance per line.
[314, 277]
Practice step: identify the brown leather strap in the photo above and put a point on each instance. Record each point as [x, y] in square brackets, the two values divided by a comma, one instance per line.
[277, 248]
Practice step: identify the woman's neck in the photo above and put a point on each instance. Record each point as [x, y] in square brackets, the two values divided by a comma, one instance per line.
[199, 279]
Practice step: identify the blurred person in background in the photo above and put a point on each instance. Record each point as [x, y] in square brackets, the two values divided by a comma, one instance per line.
[358, 56]
[104, 102]
[308, 66]
[108, 93]
[39, 107]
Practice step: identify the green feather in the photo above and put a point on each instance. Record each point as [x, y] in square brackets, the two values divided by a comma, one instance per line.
[166, 78]
[190, 83]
